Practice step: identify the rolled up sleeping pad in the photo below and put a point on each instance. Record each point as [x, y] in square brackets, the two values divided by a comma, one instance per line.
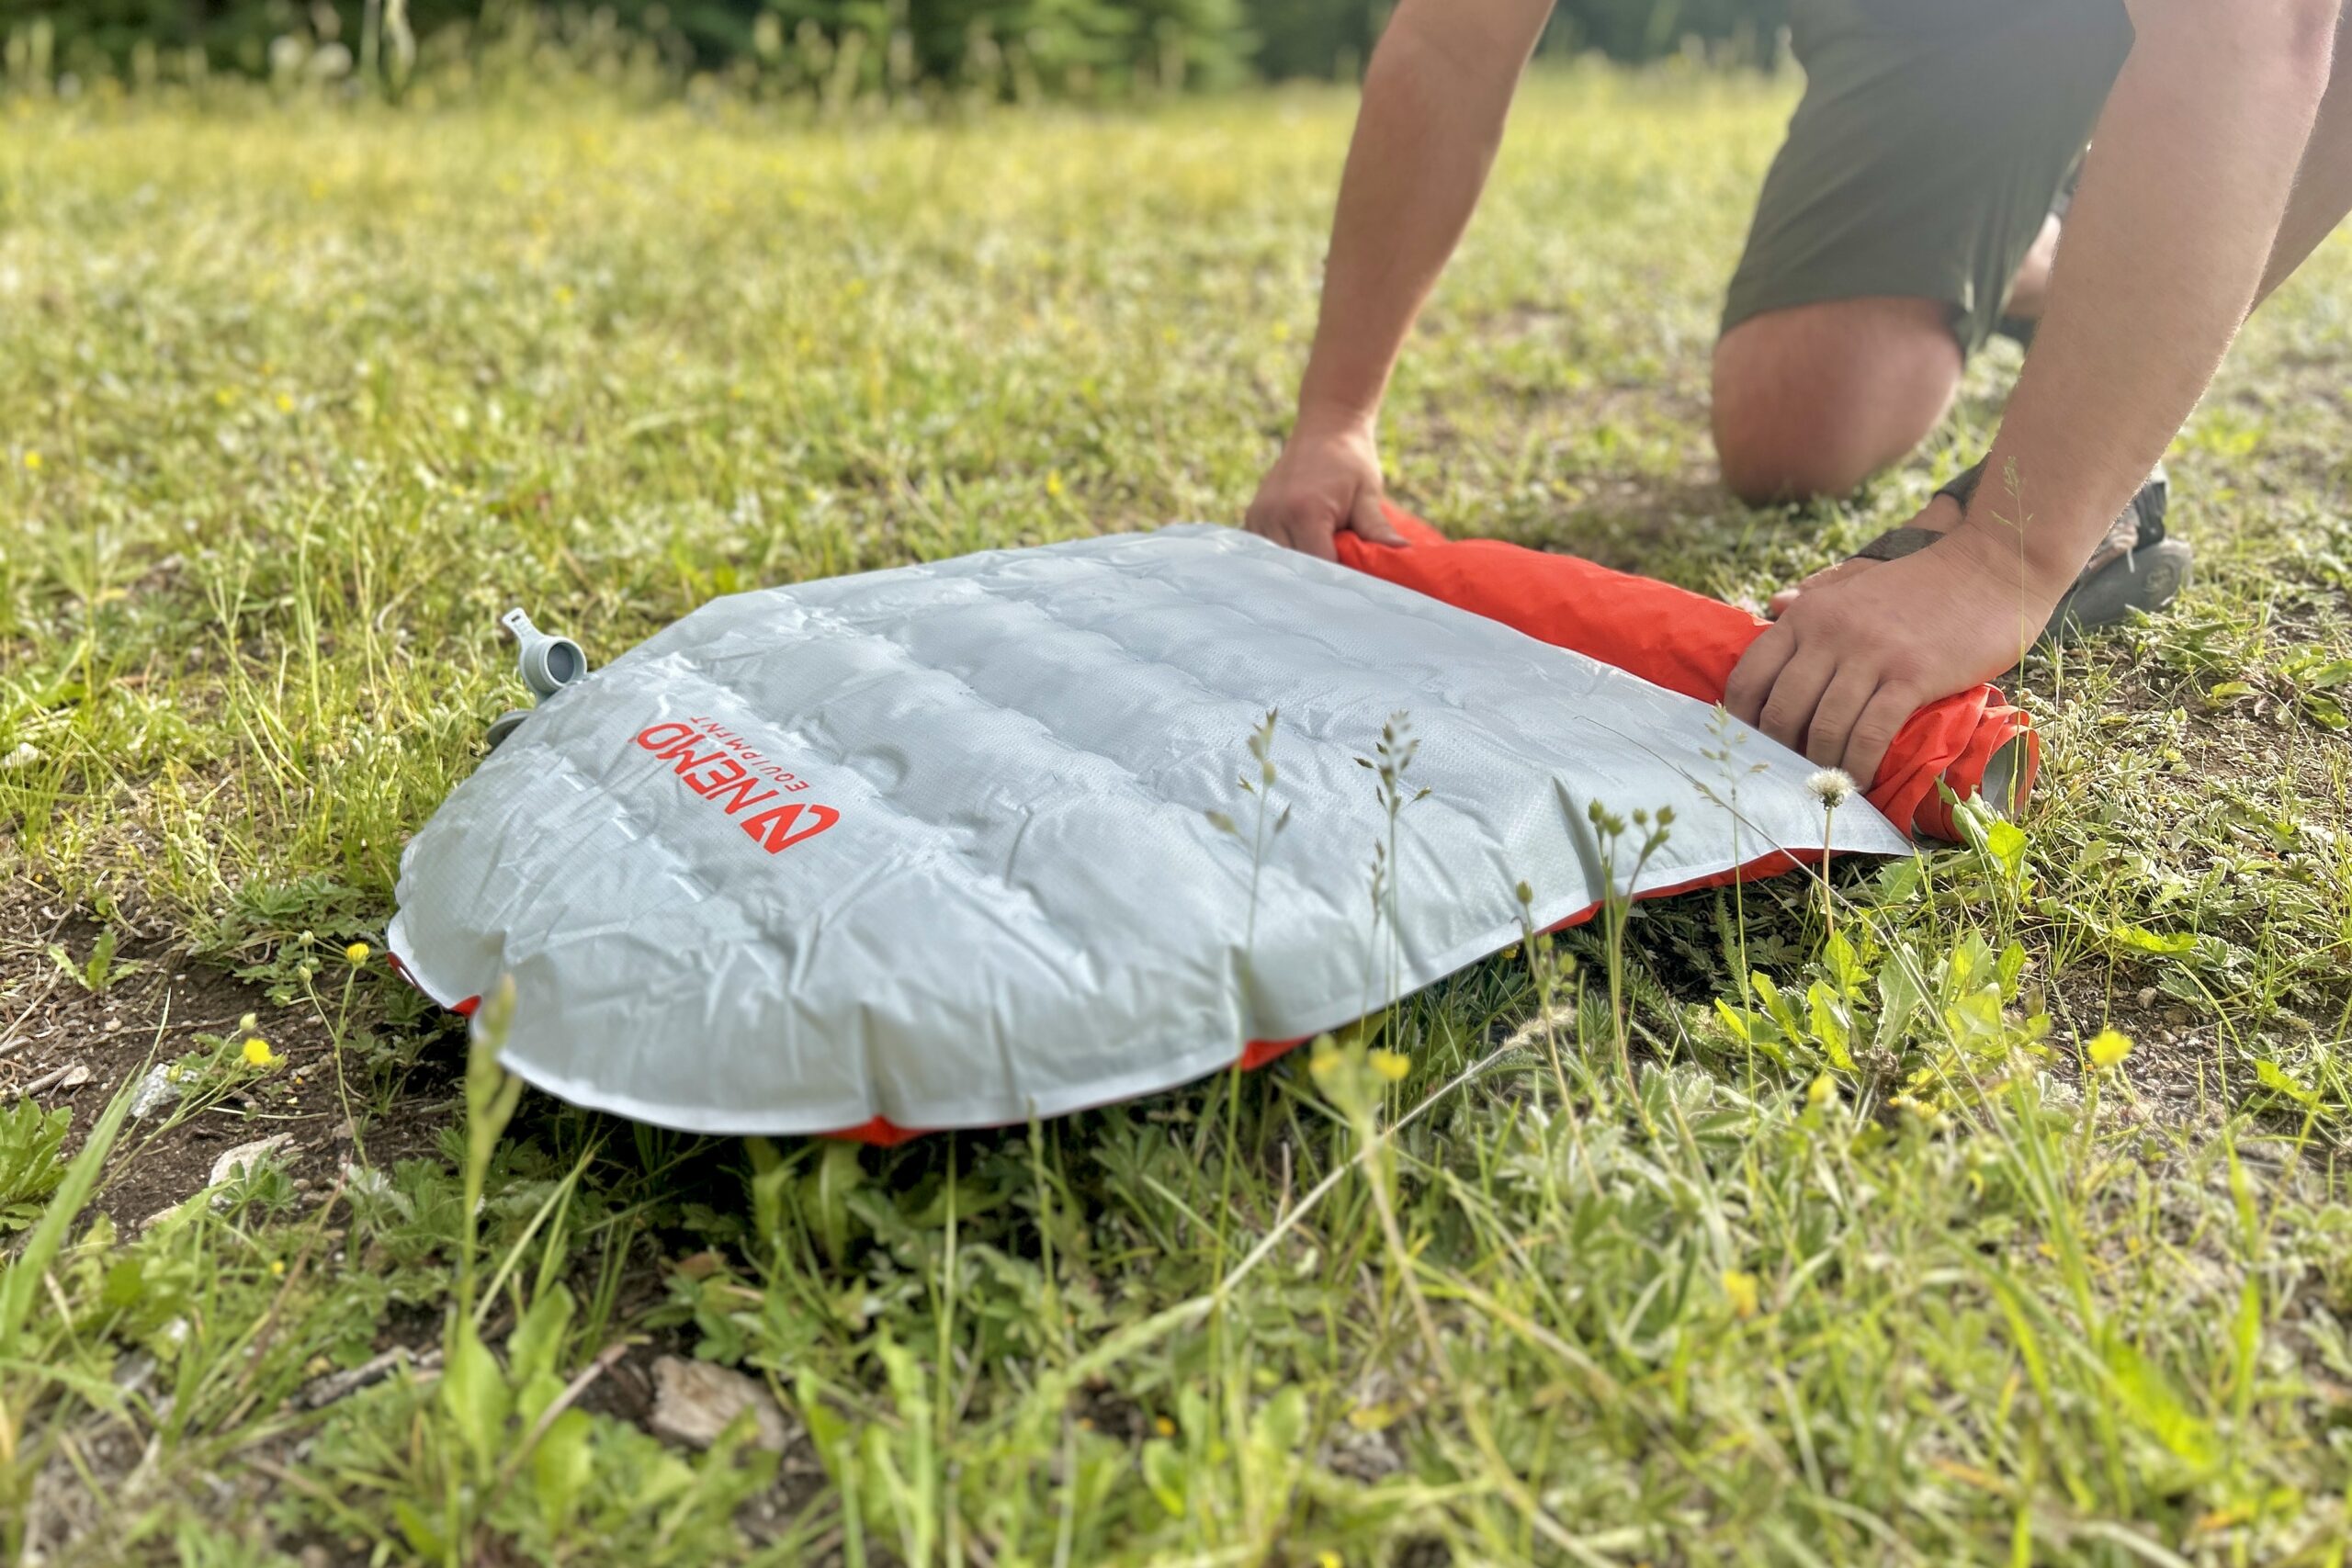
[1973, 742]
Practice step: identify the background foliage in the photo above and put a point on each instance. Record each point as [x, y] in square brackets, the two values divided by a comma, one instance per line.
[1082, 48]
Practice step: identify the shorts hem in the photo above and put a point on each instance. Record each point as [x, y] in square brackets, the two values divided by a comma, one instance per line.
[1745, 305]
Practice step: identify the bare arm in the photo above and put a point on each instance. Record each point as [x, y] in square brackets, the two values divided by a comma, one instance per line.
[2167, 244]
[1434, 103]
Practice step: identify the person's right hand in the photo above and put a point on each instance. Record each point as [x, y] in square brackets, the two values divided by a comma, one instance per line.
[1327, 478]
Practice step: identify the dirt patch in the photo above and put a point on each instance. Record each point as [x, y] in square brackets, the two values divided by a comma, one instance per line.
[72, 1035]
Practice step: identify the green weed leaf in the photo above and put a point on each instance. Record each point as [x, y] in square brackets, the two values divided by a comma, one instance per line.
[825, 1198]
[31, 1143]
[561, 1467]
[473, 1392]
[2140, 940]
[2275, 1077]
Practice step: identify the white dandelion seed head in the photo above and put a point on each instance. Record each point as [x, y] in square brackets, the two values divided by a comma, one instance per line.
[1831, 786]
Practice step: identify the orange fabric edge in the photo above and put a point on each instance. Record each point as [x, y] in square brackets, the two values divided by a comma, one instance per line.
[1685, 642]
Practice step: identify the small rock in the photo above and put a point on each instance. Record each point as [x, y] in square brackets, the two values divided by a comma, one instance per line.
[694, 1401]
[154, 1091]
[2147, 995]
[324, 1391]
[1370, 1457]
[75, 1076]
[249, 1155]
[134, 1373]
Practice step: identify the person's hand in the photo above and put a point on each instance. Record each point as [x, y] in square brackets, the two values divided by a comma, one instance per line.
[1860, 650]
[1940, 516]
[1327, 478]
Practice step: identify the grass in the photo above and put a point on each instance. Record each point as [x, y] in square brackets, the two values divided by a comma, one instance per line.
[1872, 1261]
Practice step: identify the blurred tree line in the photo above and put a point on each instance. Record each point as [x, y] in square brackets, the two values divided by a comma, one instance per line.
[1082, 47]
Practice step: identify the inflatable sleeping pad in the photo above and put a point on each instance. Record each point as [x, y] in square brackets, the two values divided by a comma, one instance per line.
[959, 844]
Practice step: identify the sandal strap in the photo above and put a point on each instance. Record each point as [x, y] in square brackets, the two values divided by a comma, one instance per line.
[2149, 505]
[2140, 524]
[1961, 486]
[1896, 543]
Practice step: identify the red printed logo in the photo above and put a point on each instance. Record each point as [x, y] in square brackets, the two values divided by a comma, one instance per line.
[717, 765]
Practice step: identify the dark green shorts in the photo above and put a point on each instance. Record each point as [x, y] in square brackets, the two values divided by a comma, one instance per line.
[1932, 139]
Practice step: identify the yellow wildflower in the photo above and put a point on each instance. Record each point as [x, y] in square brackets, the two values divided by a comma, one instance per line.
[259, 1055]
[1390, 1065]
[1323, 1058]
[357, 952]
[2108, 1046]
[1740, 1287]
[33, 459]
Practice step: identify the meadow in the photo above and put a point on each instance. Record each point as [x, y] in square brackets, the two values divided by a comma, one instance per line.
[1986, 1207]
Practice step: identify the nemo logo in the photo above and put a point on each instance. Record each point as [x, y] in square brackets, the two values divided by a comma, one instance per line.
[719, 777]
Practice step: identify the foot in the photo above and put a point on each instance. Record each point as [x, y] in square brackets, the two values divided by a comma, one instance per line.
[2150, 569]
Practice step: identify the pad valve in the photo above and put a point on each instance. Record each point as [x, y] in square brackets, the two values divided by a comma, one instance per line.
[546, 663]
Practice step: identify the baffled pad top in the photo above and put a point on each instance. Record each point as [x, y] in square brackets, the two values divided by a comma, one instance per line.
[948, 844]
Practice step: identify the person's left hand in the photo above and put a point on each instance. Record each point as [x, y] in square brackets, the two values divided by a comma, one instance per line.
[1860, 650]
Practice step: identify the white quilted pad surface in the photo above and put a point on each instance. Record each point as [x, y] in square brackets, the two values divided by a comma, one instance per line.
[933, 844]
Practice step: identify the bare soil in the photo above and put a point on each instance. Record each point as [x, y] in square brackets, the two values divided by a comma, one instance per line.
[67, 1045]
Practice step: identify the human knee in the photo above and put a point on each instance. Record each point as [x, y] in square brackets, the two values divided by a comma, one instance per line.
[1811, 401]
[1783, 436]
[1766, 461]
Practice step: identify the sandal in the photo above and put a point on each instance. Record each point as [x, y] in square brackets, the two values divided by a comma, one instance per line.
[2134, 568]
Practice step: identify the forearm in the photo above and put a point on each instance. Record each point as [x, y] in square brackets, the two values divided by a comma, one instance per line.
[2167, 244]
[1434, 103]
[2324, 182]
